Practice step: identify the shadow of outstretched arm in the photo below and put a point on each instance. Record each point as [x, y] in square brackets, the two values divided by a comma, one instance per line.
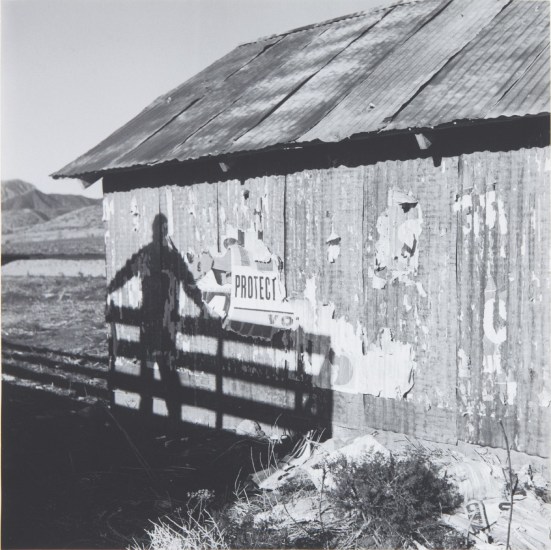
[127, 272]
[175, 263]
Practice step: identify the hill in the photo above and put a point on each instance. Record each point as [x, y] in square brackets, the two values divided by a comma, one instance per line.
[41, 224]
[28, 206]
[14, 188]
[77, 233]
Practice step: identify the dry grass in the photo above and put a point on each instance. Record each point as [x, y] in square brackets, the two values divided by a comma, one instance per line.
[56, 312]
[188, 533]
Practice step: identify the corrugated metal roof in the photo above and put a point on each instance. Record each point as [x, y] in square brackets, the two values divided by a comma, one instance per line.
[413, 65]
[474, 82]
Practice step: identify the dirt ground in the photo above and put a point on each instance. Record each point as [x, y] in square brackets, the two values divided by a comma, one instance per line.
[54, 268]
[76, 475]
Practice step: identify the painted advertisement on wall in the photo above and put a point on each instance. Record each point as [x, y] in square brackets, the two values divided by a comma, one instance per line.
[244, 287]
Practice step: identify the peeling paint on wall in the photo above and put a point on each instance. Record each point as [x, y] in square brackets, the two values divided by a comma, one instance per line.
[444, 359]
[384, 368]
[135, 213]
[397, 248]
[333, 247]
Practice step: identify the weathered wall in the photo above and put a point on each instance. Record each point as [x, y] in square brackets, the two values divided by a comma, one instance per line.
[417, 298]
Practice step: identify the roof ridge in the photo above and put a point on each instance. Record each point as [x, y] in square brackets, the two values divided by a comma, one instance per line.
[329, 21]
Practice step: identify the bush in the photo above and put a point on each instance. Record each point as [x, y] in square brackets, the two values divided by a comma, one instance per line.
[381, 503]
[188, 533]
[396, 502]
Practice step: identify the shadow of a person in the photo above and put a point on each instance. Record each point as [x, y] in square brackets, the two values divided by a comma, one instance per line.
[161, 270]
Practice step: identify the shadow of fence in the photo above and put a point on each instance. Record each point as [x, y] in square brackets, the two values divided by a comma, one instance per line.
[218, 387]
[74, 376]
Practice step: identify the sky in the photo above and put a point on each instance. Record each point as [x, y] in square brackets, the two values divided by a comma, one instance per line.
[73, 71]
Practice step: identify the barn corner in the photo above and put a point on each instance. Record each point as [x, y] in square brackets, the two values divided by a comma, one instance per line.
[344, 227]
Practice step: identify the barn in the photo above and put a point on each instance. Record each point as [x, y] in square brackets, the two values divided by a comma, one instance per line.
[344, 227]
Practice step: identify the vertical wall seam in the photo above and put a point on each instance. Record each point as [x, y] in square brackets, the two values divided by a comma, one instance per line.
[218, 216]
[285, 233]
[459, 332]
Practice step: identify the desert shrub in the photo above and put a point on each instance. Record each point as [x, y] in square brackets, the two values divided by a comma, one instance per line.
[396, 502]
[186, 533]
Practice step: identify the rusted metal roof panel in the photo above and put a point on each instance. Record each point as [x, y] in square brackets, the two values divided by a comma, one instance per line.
[530, 94]
[473, 84]
[192, 122]
[413, 65]
[334, 81]
[261, 101]
[155, 118]
[373, 102]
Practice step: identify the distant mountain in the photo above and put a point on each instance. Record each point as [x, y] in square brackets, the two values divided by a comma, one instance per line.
[13, 188]
[23, 205]
[48, 224]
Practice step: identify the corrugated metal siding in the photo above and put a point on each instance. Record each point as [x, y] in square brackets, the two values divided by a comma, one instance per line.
[472, 84]
[503, 270]
[474, 313]
[413, 65]
[427, 317]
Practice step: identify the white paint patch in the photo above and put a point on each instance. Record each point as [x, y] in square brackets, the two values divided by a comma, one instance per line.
[462, 203]
[409, 231]
[511, 392]
[135, 213]
[399, 228]
[544, 398]
[421, 290]
[108, 209]
[491, 364]
[218, 306]
[378, 283]
[384, 368]
[499, 336]
[257, 250]
[476, 223]
[333, 247]
[463, 364]
[407, 303]
[491, 209]
[310, 290]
